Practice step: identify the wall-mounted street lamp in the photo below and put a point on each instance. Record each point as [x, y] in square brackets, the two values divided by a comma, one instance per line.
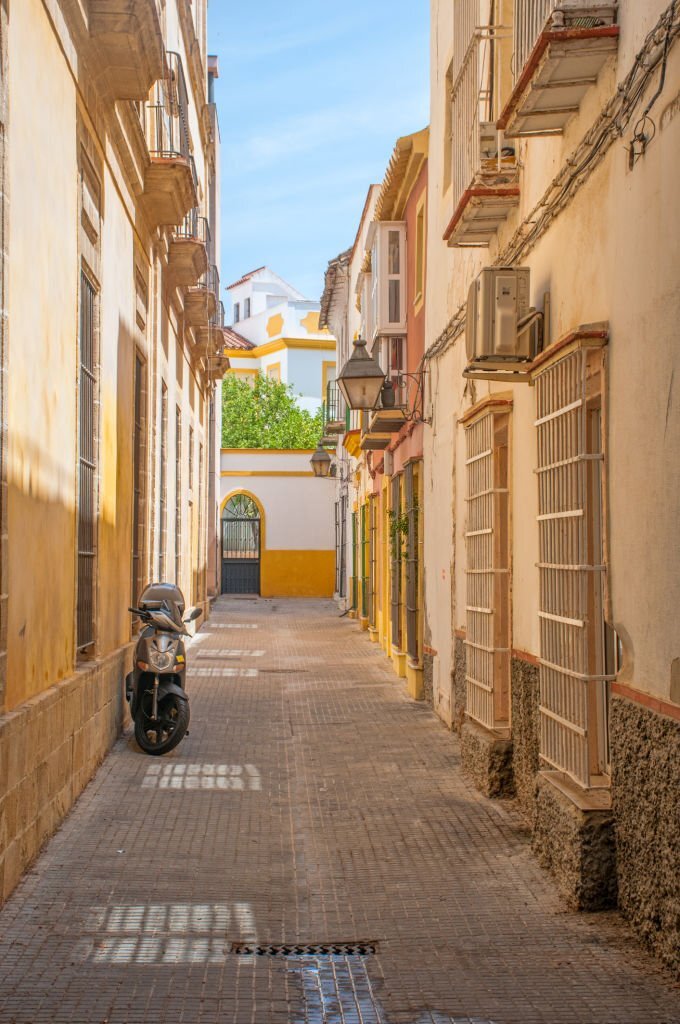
[361, 378]
[365, 385]
[320, 462]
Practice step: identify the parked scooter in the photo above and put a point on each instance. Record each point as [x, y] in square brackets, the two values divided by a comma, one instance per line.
[155, 689]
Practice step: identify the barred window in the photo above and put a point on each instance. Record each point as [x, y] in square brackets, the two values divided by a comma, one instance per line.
[178, 495]
[487, 572]
[372, 559]
[87, 466]
[200, 543]
[138, 481]
[364, 555]
[341, 545]
[395, 562]
[163, 488]
[411, 477]
[573, 662]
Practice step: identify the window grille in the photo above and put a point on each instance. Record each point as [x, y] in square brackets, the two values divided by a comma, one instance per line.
[341, 545]
[395, 562]
[355, 562]
[337, 547]
[139, 449]
[364, 555]
[163, 488]
[87, 466]
[573, 680]
[372, 558]
[487, 571]
[178, 495]
[200, 542]
[412, 561]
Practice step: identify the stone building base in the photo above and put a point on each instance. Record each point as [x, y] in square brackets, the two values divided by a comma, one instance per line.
[525, 732]
[428, 675]
[646, 800]
[50, 748]
[573, 838]
[459, 684]
[487, 758]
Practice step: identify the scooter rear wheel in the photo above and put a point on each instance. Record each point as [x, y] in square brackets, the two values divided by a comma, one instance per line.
[161, 736]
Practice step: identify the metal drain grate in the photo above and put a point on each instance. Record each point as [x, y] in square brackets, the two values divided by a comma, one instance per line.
[302, 949]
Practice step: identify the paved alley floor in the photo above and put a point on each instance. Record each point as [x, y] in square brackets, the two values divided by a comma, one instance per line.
[310, 854]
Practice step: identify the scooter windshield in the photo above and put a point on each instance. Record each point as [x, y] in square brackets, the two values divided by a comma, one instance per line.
[161, 620]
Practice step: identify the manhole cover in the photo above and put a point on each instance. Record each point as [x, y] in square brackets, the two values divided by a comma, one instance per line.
[302, 949]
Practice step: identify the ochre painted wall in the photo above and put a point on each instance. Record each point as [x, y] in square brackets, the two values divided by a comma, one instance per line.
[43, 297]
[297, 573]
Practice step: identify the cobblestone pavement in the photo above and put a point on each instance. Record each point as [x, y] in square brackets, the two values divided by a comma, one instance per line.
[313, 805]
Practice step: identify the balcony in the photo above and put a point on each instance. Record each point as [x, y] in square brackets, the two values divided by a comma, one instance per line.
[560, 49]
[170, 178]
[381, 426]
[129, 40]
[333, 411]
[217, 367]
[484, 169]
[210, 336]
[200, 303]
[188, 250]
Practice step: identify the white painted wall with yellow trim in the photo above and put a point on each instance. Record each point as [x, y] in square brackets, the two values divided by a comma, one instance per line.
[297, 533]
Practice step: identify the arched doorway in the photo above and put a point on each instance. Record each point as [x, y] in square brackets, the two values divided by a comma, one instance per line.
[241, 530]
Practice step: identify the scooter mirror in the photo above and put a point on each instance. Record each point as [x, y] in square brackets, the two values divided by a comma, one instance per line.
[193, 614]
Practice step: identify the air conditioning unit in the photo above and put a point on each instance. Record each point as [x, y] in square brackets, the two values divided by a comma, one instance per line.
[498, 300]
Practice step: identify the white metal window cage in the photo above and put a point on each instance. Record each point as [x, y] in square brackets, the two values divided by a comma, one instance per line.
[478, 148]
[487, 571]
[573, 681]
[533, 16]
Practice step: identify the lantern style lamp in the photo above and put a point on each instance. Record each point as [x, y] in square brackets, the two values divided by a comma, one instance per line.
[320, 462]
[361, 378]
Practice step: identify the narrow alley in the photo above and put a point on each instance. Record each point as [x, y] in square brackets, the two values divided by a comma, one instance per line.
[310, 853]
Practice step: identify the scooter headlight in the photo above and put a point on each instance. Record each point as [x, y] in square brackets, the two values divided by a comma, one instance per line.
[161, 661]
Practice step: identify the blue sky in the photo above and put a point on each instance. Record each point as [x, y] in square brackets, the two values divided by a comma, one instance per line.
[311, 97]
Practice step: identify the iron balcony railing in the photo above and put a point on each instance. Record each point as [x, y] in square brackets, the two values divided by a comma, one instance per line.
[194, 227]
[217, 319]
[166, 114]
[210, 280]
[334, 405]
[531, 17]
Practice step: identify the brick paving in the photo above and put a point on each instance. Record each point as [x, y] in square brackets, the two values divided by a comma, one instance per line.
[312, 803]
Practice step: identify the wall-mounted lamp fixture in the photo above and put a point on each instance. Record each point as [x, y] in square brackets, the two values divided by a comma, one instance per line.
[361, 378]
[320, 462]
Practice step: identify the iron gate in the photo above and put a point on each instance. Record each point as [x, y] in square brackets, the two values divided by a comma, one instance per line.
[241, 546]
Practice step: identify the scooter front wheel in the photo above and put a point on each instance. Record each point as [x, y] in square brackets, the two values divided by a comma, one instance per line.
[159, 736]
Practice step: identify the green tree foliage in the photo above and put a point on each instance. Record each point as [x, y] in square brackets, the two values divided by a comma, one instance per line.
[265, 415]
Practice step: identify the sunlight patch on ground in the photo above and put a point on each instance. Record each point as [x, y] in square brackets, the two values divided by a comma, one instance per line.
[161, 933]
[202, 776]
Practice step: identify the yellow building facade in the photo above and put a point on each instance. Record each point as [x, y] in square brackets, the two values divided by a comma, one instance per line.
[111, 349]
